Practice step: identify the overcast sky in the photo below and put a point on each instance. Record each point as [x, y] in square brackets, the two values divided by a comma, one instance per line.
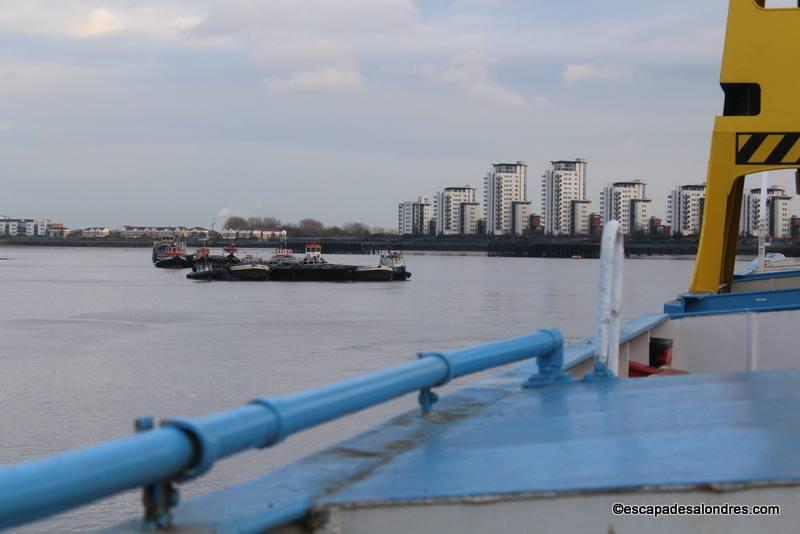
[182, 111]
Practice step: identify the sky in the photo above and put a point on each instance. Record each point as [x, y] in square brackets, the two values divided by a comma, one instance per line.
[188, 111]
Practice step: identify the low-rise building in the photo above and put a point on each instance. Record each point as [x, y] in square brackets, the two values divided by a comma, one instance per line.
[23, 227]
[252, 233]
[657, 228]
[57, 230]
[198, 232]
[595, 225]
[157, 232]
[95, 231]
[535, 225]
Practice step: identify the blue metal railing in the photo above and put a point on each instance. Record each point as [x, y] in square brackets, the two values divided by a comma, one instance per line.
[182, 449]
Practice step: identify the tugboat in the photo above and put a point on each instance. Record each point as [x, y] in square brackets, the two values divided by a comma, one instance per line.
[217, 267]
[397, 263]
[171, 254]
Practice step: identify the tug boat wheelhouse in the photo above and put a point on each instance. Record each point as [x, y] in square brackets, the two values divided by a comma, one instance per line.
[171, 254]
[395, 261]
[284, 255]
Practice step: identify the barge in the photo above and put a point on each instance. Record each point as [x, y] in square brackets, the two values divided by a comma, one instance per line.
[284, 266]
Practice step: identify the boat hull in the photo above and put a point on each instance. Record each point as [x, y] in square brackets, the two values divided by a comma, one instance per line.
[175, 262]
[324, 272]
[251, 273]
[374, 274]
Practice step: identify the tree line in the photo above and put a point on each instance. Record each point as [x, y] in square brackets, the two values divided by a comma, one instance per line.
[305, 228]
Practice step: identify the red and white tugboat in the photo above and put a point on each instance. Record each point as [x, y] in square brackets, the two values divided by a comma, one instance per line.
[171, 254]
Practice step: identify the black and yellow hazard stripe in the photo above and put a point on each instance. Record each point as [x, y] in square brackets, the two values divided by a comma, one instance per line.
[760, 148]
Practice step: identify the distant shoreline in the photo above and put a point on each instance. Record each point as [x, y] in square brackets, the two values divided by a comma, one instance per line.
[506, 247]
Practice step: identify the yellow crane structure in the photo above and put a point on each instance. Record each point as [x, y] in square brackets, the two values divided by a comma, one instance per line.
[758, 131]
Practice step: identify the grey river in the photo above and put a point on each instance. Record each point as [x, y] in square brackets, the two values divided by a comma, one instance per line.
[92, 338]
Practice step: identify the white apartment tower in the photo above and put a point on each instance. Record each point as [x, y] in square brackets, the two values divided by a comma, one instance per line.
[414, 217]
[778, 218]
[685, 209]
[520, 216]
[780, 221]
[579, 217]
[469, 218]
[504, 184]
[448, 208]
[617, 202]
[563, 183]
[640, 215]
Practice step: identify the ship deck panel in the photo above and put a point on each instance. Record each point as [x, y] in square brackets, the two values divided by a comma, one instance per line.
[600, 436]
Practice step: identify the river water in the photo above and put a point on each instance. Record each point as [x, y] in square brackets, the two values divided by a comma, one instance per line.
[92, 338]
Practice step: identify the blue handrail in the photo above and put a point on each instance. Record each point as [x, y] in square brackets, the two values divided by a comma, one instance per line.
[183, 449]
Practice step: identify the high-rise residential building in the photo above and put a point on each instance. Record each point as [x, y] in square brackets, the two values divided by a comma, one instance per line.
[777, 217]
[617, 202]
[640, 215]
[580, 217]
[564, 182]
[504, 184]
[780, 221]
[447, 208]
[685, 206]
[469, 218]
[414, 216]
[520, 216]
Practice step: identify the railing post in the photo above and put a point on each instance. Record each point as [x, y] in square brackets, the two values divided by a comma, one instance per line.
[551, 365]
[609, 301]
[160, 497]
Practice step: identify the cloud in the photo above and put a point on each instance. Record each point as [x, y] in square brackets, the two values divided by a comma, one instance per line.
[255, 19]
[578, 72]
[472, 75]
[313, 46]
[320, 80]
[90, 18]
[98, 22]
[303, 50]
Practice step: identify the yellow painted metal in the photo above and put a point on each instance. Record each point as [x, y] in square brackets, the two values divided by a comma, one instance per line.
[762, 46]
